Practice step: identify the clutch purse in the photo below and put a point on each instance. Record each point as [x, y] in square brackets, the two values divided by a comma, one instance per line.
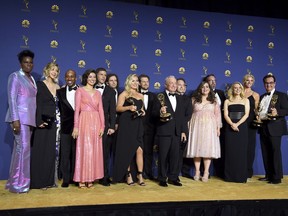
[48, 119]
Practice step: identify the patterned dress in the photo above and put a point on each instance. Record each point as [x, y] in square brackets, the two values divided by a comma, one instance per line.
[203, 140]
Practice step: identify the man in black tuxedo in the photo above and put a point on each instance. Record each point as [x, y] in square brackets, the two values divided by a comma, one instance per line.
[113, 81]
[218, 164]
[109, 106]
[149, 125]
[273, 109]
[169, 133]
[185, 164]
[66, 96]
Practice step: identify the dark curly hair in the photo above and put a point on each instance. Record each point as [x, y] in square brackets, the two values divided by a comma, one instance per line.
[25, 53]
[198, 93]
[85, 76]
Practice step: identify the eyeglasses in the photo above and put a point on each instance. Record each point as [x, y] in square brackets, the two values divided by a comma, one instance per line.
[269, 83]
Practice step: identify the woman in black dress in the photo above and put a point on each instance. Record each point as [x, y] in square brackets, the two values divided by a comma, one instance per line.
[129, 143]
[46, 141]
[253, 97]
[236, 111]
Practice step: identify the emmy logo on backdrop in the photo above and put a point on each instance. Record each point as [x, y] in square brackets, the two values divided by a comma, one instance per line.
[257, 122]
[164, 117]
[136, 113]
[273, 102]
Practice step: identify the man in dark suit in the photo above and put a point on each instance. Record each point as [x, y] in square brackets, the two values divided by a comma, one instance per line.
[66, 96]
[218, 164]
[149, 126]
[109, 106]
[185, 164]
[273, 109]
[170, 133]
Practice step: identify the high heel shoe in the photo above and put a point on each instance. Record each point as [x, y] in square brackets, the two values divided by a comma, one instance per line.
[90, 185]
[82, 185]
[140, 179]
[205, 177]
[129, 179]
[197, 176]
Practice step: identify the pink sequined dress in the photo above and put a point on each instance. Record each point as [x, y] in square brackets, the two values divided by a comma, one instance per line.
[89, 119]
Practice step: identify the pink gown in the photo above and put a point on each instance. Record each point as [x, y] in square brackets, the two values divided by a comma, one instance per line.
[89, 119]
[203, 140]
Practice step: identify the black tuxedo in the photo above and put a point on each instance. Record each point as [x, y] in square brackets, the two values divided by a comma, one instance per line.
[109, 106]
[67, 143]
[185, 164]
[169, 138]
[218, 164]
[149, 134]
[270, 138]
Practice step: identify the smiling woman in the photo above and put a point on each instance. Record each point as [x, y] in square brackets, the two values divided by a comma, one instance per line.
[46, 137]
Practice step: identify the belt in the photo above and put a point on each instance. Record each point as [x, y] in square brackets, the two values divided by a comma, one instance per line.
[236, 115]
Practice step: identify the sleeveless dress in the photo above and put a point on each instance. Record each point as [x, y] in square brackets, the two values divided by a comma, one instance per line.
[129, 138]
[236, 147]
[251, 137]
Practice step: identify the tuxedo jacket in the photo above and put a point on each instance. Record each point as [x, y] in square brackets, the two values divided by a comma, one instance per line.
[187, 104]
[177, 125]
[148, 120]
[278, 127]
[66, 111]
[109, 106]
[222, 97]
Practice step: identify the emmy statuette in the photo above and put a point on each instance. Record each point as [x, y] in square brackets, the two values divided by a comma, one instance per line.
[136, 113]
[273, 102]
[164, 117]
[257, 122]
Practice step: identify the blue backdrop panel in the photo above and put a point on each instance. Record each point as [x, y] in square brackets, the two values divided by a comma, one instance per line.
[131, 38]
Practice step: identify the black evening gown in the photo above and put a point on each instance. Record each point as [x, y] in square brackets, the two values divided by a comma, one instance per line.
[129, 138]
[44, 147]
[235, 169]
[252, 130]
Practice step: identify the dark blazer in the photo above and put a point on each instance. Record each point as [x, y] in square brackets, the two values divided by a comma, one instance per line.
[109, 106]
[187, 104]
[175, 126]
[66, 111]
[279, 126]
[222, 97]
[148, 120]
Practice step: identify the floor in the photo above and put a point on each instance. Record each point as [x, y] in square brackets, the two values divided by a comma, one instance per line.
[214, 189]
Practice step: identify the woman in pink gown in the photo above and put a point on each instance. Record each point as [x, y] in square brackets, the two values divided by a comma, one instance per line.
[204, 130]
[88, 129]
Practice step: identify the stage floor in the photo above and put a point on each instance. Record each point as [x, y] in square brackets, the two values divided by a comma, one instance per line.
[214, 190]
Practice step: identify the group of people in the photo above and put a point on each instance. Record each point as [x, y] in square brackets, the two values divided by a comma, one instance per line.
[92, 132]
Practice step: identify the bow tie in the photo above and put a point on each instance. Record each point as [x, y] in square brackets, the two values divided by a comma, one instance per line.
[97, 87]
[267, 93]
[171, 94]
[144, 93]
[70, 88]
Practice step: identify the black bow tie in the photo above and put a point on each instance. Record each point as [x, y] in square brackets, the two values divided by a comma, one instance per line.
[144, 93]
[97, 87]
[70, 88]
[267, 93]
[171, 94]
